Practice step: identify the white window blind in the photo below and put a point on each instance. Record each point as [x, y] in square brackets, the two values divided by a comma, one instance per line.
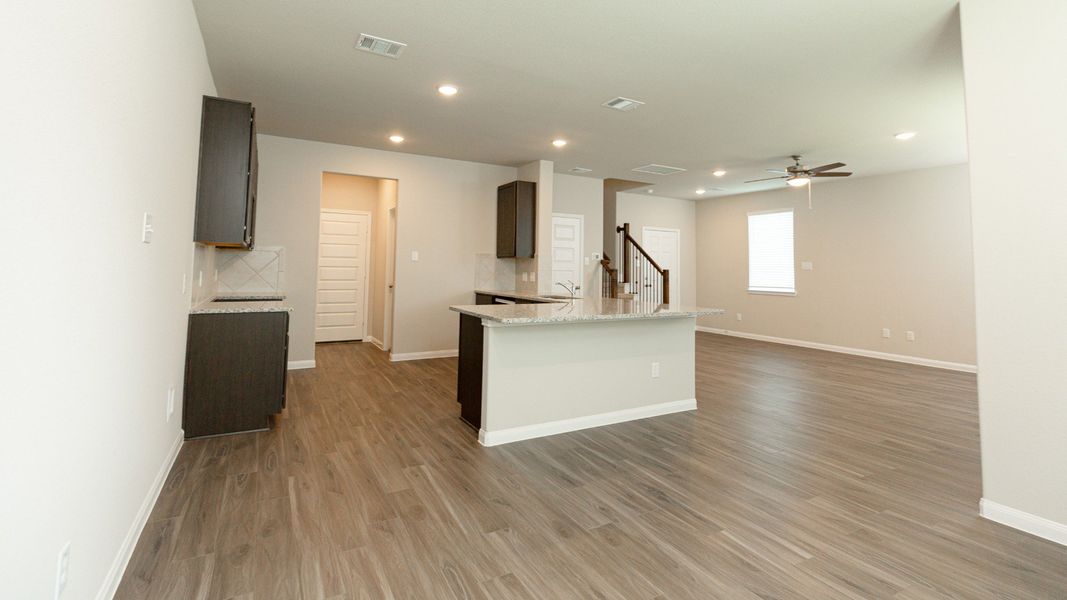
[770, 252]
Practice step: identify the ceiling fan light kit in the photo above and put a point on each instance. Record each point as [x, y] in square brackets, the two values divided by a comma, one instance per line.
[798, 175]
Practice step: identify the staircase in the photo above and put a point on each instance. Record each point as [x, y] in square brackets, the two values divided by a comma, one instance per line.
[636, 275]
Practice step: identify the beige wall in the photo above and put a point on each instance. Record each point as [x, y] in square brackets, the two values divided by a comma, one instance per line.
[645, 210]
[584, 196]
[374, 196]
[1016, 87]
[538, 268]
[446, 212]
[890, 251]
[101, 123]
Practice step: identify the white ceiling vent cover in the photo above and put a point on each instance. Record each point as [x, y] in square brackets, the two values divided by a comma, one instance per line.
[659, 169]
[379, 46]
[580, 170]
[623, 104]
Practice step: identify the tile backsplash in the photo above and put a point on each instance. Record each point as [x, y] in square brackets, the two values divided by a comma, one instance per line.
[492, 273]
[251, 271]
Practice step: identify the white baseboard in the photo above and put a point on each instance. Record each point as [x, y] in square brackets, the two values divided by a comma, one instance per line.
[301, 364]
[118, 566]
[373, 340]
[516, 434]
[902, 358]
[1023, 521]
[423, 355]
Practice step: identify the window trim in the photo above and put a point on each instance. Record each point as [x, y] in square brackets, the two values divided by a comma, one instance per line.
[748, 254]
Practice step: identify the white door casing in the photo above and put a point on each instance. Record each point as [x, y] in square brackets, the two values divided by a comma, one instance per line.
[664, 245]
[390, 280]
[342, 291]
[567, 257]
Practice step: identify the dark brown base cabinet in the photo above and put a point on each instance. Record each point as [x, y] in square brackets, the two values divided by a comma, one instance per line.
[469, 384]
[235, 370]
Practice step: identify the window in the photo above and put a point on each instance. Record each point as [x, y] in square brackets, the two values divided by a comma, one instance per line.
[770, 252]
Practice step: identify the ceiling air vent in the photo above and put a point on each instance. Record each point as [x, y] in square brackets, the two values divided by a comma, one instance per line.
[623, 104]
[580, 170]
[379, 46]
[659, 169]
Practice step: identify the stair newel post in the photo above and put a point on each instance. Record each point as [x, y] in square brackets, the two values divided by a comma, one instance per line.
[666, 286]
[627, 258]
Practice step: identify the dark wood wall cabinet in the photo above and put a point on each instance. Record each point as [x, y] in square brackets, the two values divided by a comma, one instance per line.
[235, 370]
[229, 165]
[516, 219]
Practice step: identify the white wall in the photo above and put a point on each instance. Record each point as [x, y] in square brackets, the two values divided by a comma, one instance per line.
[890, 251]
[1016, 87]
[446, 210]
[101, 122]
[584, 196]
[644, 210]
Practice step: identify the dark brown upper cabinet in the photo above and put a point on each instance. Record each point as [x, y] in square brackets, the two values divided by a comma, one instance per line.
[516, 219]
[226, 186]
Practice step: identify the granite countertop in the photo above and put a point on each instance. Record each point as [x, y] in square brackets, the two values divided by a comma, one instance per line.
[586, 309]
[249, 303]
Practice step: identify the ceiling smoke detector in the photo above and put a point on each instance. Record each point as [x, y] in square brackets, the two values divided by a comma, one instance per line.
[623, 104]
[655, 169]
[379, 46]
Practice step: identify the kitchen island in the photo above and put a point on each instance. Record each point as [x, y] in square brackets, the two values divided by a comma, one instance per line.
[551, 366]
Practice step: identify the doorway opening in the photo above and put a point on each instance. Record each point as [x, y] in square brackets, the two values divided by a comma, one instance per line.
[356, 260]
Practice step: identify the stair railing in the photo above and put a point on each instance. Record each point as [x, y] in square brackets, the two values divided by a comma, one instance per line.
[639, 274]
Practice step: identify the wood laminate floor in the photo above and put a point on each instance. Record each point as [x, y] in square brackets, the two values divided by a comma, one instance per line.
[803, 474]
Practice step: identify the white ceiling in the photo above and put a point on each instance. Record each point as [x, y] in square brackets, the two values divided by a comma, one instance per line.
[733, 84]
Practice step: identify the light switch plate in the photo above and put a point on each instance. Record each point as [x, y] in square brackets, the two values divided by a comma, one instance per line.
[414, 256]
[146, 229]
[806, 265]
[886, 333]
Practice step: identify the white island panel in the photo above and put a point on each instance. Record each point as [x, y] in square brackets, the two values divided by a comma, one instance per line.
[543, 380]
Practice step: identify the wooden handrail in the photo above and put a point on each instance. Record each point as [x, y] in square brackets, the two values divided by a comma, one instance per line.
[625, 230]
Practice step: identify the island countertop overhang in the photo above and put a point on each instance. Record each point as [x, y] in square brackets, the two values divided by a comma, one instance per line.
[579, 310]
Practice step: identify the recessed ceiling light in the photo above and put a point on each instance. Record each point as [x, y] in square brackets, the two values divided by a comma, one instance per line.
[396, 139]
[559, 143]
[701, 191]
[447, 89]
[650, 191]
[905, 135]
[718, 172]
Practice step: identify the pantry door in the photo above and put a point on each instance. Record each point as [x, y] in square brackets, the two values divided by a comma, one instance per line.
[341, 293]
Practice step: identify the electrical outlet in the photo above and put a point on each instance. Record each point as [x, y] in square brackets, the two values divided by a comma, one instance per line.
[62, 567]
[655, 370]
[886, 333]
[184, 277]
[909, 335]
[738, 316]
[525, 276]
[216, 274]
[146, 229]
[170, 402]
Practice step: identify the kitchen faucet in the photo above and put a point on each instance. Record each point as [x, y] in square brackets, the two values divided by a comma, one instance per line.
[571, 289]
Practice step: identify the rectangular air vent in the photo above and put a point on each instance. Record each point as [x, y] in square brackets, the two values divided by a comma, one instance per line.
[623, 104]
[580, 170]
[659, 169]
[379, 46]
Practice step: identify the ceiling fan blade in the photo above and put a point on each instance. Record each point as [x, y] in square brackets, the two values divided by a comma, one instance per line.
[833, 174]
[767, 179]
[777, 171]
[826, 167]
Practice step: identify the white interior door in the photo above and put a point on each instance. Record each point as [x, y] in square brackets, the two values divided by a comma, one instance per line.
[341, 294]
[566, 249]
[665, 247]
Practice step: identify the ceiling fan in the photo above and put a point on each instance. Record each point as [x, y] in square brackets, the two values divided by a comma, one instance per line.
[798, 175]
